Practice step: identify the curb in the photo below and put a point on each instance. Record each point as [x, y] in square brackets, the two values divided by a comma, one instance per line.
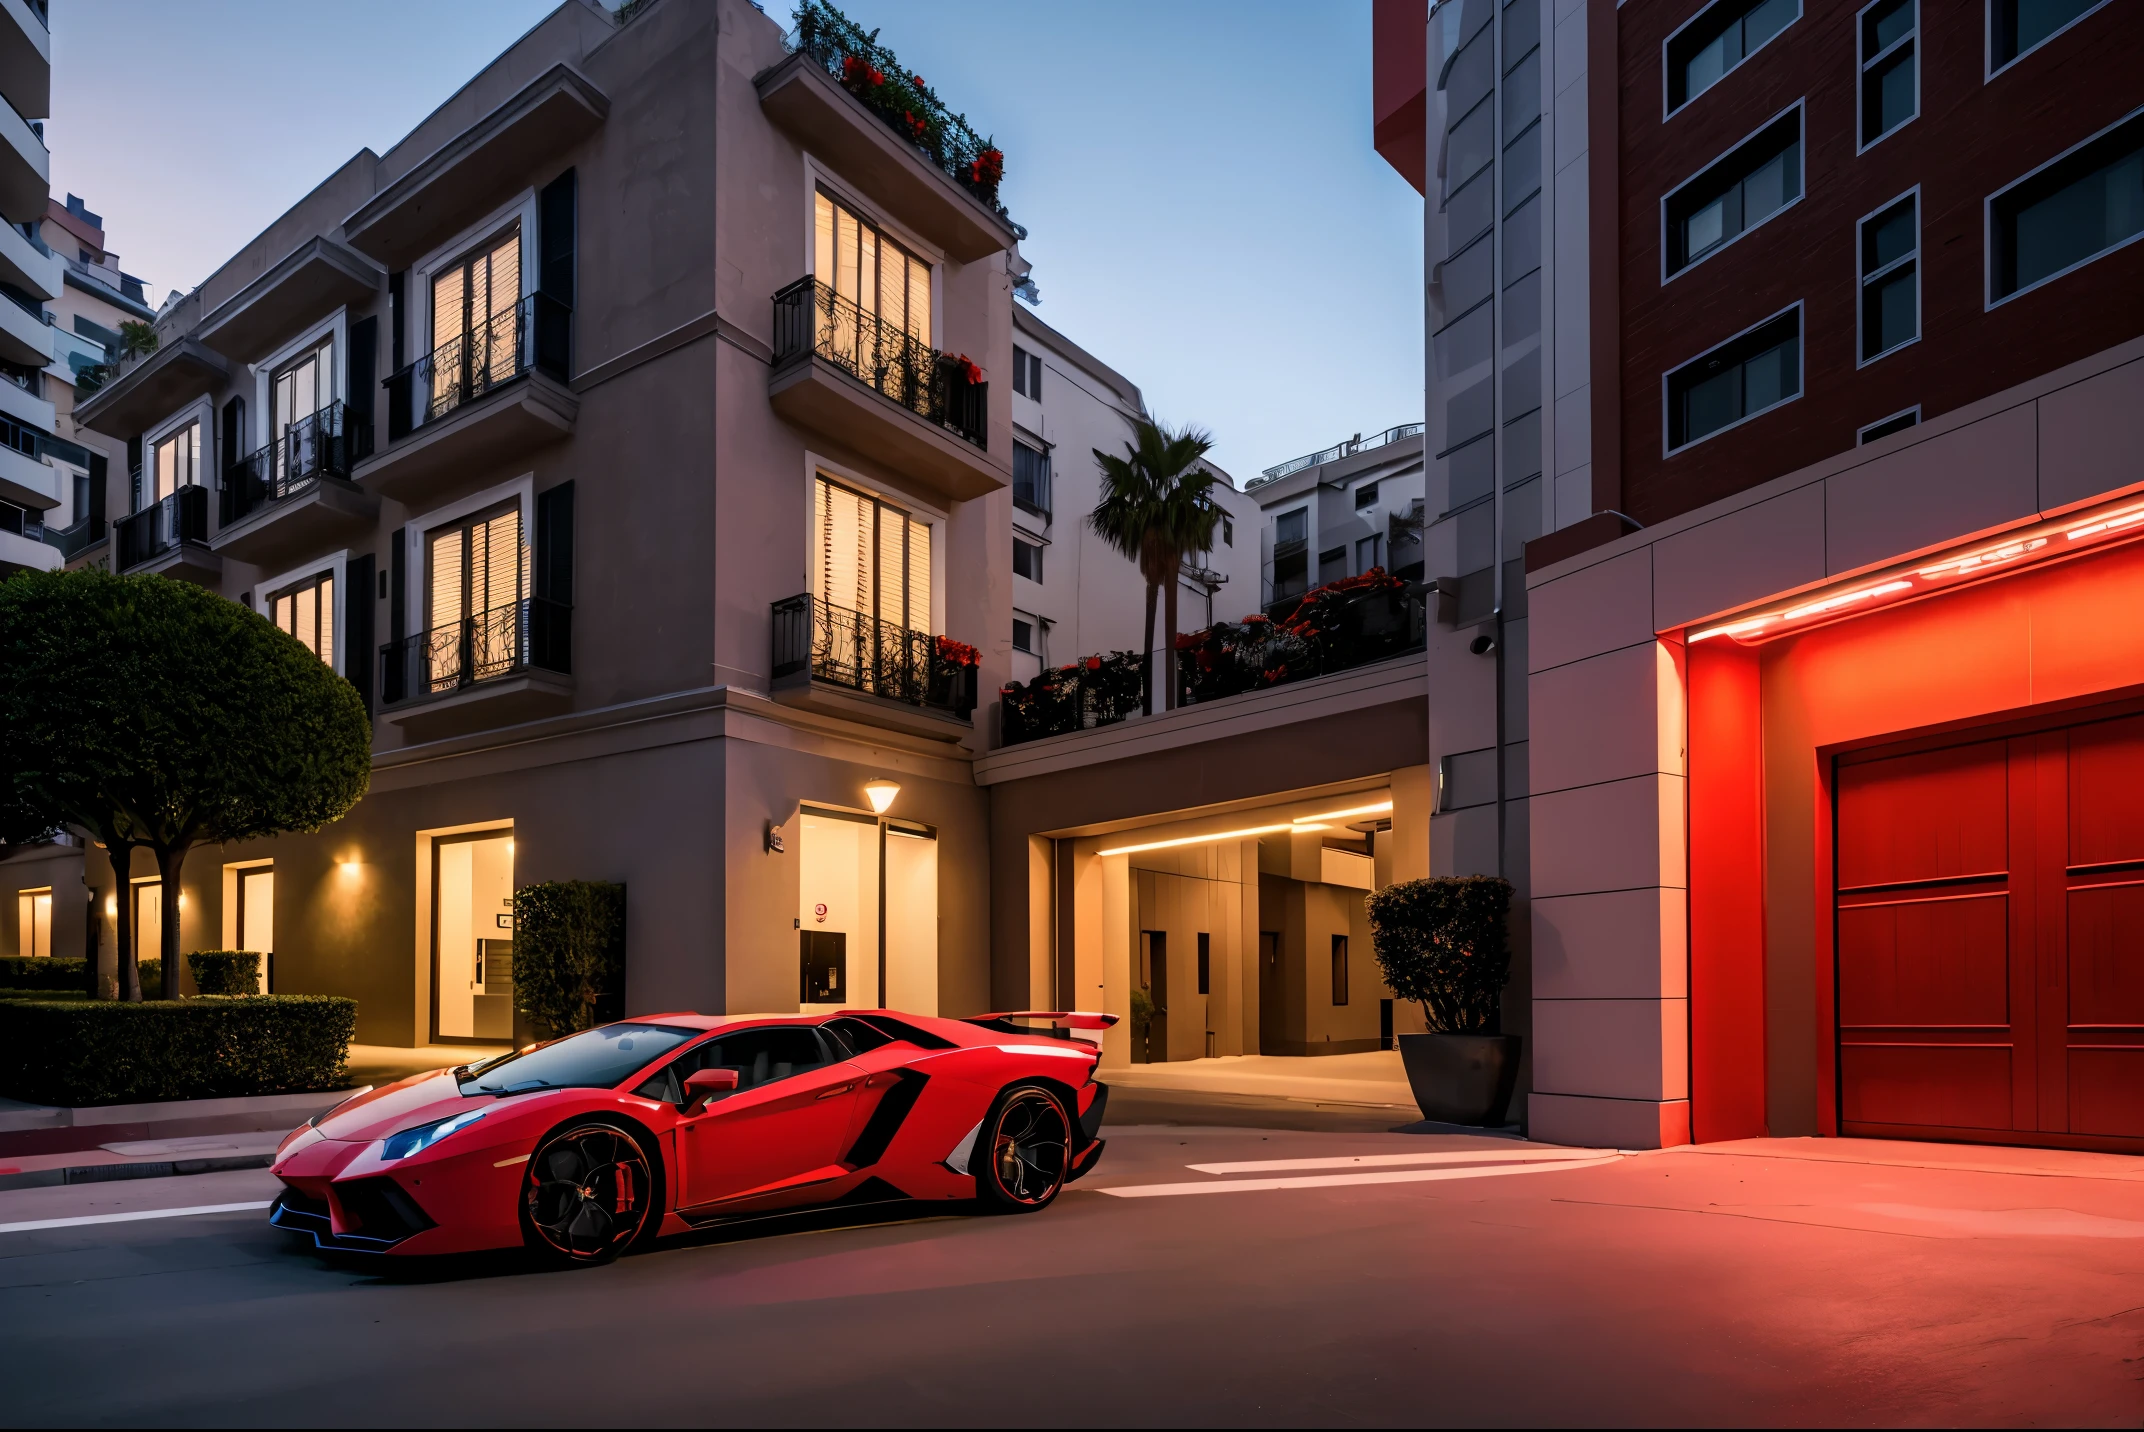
[113, 1173]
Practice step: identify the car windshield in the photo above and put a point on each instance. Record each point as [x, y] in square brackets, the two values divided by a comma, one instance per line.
[592, 1059]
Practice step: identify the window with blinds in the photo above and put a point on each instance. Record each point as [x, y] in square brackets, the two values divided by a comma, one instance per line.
[871, 271]
[871, 557]
[477, 573]
[302, 387]
[307, 612]
[176, 461]
[474, 335]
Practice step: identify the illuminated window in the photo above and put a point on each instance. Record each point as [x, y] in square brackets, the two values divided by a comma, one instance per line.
[871, 557]
[176, 461]
[861, 264]
[33, 916]
[478, 574]
[307, 612]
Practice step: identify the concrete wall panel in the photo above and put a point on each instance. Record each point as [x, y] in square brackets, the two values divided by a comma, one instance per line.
[1741, 556]
[1620, 944]
[1607, 1123]
[1595, 609]
[1950, 486]
[1621, 835]
[2091, 435]
[1605, 718]
[1612, 1048]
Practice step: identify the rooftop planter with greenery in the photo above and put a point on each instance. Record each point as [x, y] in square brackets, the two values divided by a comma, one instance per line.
[868, 70]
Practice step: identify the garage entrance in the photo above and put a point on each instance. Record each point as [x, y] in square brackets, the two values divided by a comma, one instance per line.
[1989, 904]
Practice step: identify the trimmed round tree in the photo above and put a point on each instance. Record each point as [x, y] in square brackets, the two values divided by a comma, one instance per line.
[155, 713]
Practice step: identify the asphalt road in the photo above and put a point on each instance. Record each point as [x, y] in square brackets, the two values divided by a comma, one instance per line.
[1436, 1289]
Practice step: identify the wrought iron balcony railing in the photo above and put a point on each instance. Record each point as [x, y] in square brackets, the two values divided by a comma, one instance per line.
[534, 336]
[534, 633]
[161, 527]
[327, 444]
[863, 653]
[811, 318]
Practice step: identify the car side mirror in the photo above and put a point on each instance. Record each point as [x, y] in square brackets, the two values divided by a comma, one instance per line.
[703, 1084]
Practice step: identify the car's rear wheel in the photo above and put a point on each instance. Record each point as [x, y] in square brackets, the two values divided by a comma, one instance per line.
[588, 1192]
[1024, 1150]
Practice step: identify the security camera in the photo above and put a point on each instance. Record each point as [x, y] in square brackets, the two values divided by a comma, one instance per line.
[1482, 645]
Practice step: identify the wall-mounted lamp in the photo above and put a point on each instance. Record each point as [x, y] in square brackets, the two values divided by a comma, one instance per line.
[774, 838]
[349, 865]
[880, 793]
[1482, 645]
[111, 905]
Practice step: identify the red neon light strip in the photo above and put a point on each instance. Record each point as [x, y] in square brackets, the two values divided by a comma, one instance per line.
[2042, 544]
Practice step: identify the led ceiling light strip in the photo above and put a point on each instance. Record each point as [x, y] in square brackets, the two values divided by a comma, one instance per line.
[1381, 808]
[1218, 835]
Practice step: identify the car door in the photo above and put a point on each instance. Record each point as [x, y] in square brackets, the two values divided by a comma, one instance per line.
[784, 1122]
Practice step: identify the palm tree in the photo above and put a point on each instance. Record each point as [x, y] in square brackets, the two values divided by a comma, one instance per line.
[1156, 508]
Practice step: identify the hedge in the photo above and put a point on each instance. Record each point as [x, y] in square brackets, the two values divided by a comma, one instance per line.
[80, 1052]
[61, 972]
[225, 971]
[569, 954]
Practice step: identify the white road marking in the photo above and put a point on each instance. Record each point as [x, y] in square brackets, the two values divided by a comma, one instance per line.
[35, 1224]
[1345, 1180]
[1519, 1154]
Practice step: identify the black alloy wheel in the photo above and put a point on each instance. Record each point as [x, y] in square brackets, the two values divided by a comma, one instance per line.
[1024, 1152]
[588, 1194]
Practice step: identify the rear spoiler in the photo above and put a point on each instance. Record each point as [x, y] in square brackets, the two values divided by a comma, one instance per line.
[1064, 1020]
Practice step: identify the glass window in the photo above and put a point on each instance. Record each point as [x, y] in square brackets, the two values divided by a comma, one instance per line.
[1291, 527]
[1332, 564]
[33, 917]
[1291, 574]
[593, 1059]
[1019, 371]
[2015, 26]
[872, 557]
[1735, 381]
[2089, 202]
[177, 461]
[476, 339]
[1369, 552]
[1366, 496]
[477, 574]
[1228, 532]
[1742, 189]
[1026, 560]
[1023, 636]
[1896, 423]
[1205, 963]
[760, 1056]
[307, 612]
[1703, 52]
[1890, 278]
[858, 262]
[1890, 75]
[1031, 479]
[1339, 969]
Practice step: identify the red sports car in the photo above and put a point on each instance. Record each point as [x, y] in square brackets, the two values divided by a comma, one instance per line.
[581, 1147]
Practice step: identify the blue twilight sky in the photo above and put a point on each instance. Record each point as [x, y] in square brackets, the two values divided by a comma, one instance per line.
[1205, 211]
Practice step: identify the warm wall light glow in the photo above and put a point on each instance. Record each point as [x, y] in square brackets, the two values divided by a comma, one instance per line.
[1978, 561]
[1217, 836]
[881, 793]
[111, 905]
[1381, 808]
[2111, 522]
[1845, 599]
[349, 866]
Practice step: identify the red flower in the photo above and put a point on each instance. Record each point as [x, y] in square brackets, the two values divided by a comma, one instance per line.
[969, 371]
[957, 653]
[986, 169]
[1094, 663]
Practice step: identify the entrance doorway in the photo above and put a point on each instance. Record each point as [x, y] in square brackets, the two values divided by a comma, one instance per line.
[253, 920]
[1989, 908]
[472, 937]
[867, 913]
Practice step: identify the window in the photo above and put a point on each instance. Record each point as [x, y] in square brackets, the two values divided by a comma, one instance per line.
[1369, 552]
[1701, 53]
[1890, 76]
[859, 263]
[1366, 496]
[176, 462]
[1745, 376]
[473, 307]
[1023, 636]
[1890, 278]
[1339, 969]
[2087, 203]
[1291, 573]
[1332, 564]
[1026, 560]
[1026, 373]
[1228, 531]
[872, 557]
[592, 1059]
[1743, 188]
[1031, 479]
[2018, 26]
[307, 612]
[1205, 963]
[302, 387]
[1883, 428]
[1291, 527]
[477, 572]
[33, 917]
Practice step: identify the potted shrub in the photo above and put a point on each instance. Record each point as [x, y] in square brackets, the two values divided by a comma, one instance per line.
[1442, 943]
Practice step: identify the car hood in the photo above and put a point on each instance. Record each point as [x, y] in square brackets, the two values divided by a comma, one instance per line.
[404, 1104]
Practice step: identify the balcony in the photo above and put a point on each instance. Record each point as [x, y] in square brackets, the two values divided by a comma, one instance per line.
[82, 535]
[852, 664]
[25, 332]
[24, 542]
[476, 403]
[28, 264]
[25, 479]
[295, 495]
[26, 55]
[25, 168]
[1339, 627]
[170, 537]
[151, 388]
[510, 664]
[842, 373]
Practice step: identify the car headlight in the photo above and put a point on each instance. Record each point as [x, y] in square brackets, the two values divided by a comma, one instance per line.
[417, 1140]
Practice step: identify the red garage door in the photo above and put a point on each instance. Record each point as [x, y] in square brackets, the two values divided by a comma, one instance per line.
[1990, 938]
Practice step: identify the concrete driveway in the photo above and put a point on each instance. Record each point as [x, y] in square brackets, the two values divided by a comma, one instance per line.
[1208, 1274]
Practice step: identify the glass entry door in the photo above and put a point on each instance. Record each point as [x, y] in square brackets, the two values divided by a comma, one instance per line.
[472, 936]
[301, 389]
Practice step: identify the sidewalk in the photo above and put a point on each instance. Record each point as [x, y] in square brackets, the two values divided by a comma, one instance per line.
[1374, 1079]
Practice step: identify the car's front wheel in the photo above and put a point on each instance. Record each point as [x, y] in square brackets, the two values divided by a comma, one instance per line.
[1024, 1150]
[589, 1191]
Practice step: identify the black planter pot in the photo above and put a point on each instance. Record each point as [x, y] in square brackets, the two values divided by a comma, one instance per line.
[1462, 1078]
